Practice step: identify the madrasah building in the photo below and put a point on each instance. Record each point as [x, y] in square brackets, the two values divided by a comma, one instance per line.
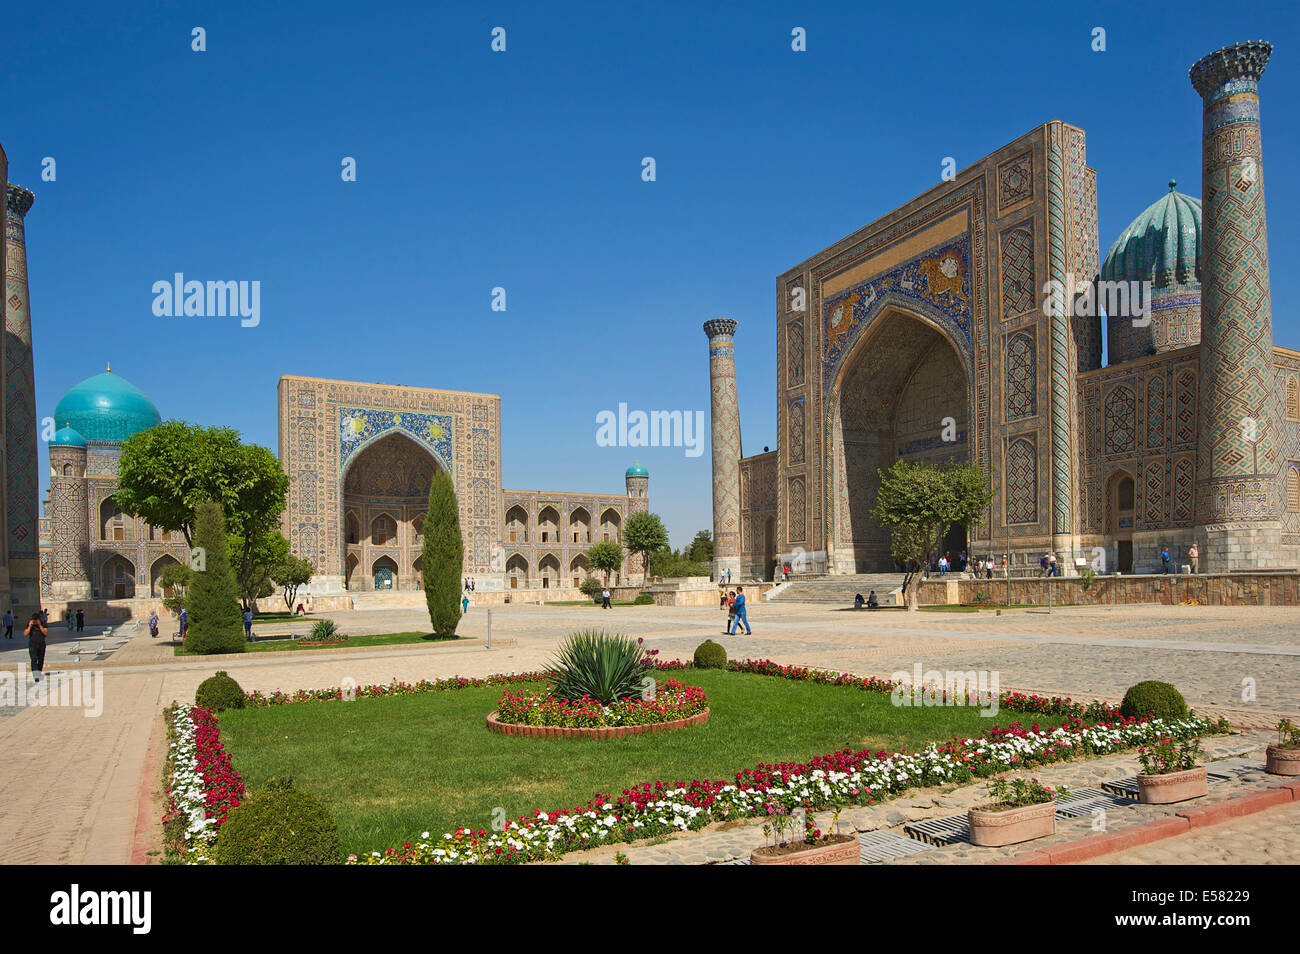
[937, 333]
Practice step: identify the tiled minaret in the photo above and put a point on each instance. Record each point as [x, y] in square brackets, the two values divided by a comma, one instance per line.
[4, 536]
[637, 481]
[724, 425]
[1238, 499]
[20, 409]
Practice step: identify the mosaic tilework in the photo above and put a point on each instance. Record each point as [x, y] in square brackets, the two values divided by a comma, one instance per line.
[1184, 497]
[797, 507]
[1022, 376]
[1185, 420]
[794, 353]
[359, 426]
[1022, 481]
[1121, 420]
[1155, 412]
[1015, 180]
[724, 410]
[1059, 334]
[1019, 290]
[795, 424]
[1153, 493]
[1292, 397]
[1237, 477]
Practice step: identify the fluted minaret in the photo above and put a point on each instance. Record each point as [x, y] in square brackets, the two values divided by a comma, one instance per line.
[21, 483]
[5, 598]
[1238, 499]
[724, 426]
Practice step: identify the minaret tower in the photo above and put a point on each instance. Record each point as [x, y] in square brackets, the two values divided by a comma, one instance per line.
[4, 535]
[724, 425]
[1238, 499]
[69, 517]
[637, 480]
[21, 485]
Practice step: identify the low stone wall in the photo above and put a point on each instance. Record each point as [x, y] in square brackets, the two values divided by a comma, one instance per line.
[696, 593]
[1227, 589]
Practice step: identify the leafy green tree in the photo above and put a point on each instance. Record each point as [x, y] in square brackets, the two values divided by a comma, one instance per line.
[673, 563]
[291, 573]
[605, 557]
[701, 549]
[645, 535]
[917, 503]
[167, 470]
[212, 599]
[174, 579]
[254, 565]
[444, 556]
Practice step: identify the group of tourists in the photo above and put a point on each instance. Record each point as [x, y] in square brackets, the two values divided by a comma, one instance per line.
[1193, 557]
[733, 601]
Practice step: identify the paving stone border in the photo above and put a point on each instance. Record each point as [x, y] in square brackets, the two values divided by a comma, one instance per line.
[601, 732]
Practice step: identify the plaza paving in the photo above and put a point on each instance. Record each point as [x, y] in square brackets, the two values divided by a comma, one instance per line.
[69, 784]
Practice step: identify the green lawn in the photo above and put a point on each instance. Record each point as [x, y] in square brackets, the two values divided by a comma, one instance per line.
[379, 639]
[391, 768]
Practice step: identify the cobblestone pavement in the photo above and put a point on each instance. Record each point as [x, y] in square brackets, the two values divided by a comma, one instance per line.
[68, 784]
[1270, 837]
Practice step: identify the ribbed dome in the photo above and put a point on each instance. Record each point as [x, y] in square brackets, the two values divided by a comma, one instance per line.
[636, 470]
[67, 437]
[106, 408]
[1162, 245]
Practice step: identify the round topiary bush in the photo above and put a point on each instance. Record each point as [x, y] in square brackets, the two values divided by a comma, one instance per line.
[710, 655]
[1157, 699]
[219, 693]
[279, 826]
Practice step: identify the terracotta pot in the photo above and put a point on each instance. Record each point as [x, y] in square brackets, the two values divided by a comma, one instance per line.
[1283, 761]
[993, 829]
[839, 850]
[1173, 787]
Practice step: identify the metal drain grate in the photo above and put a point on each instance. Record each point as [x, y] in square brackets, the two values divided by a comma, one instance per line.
[1128, 786]
[941, 831]
[883, 845]
[1082, 802]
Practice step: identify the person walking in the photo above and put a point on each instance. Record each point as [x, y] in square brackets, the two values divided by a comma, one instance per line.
[464, 604]
[731, 612]
[722, 598]
[248, 624]
[785, 572]
[36, 633]
[1193, 556]
[9, 624]
[604, 598]
[153, 625]
[81, 620]
[1052, 568]
[739, 608]
[473, 584]
[1164, 558]
[185, 622]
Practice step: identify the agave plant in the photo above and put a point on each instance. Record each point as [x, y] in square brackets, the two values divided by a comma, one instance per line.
[603, 666]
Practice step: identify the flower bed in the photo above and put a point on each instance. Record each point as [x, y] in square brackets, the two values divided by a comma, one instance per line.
[673, 702]
[201, 784]
[839, 778]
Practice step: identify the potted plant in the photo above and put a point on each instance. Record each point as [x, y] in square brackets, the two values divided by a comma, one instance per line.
[797, 840]
[1284, 757]
[1021, 810]
[1170, 773]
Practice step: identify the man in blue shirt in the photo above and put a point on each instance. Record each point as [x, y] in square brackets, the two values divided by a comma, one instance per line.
[739, 610]
[248, 624]
[185, 622]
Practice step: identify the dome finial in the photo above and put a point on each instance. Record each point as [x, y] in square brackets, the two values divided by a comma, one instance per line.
[108, 367]
[1173, 183]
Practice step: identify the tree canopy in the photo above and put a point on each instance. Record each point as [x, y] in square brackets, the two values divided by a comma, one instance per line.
[605, 557]
[918, 502]
[644, 534]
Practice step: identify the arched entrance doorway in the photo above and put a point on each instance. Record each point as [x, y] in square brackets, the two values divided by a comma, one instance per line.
[385, 493]
[156, 589]
[1121, 507]
[903, 393]
[117, 578]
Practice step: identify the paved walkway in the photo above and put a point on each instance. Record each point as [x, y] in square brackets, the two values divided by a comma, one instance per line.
[69, 784]
[1270, 837]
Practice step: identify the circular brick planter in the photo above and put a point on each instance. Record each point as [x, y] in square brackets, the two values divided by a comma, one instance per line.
[1173, 787]
[607, 732]
[1282, 761]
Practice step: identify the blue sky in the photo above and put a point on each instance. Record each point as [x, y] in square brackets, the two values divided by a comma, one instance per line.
[522, 170]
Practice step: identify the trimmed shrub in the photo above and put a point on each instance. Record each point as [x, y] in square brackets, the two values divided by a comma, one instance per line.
[710, 655]
[644, 599]
[219, 693]
[279, 826]
[1157, 699]
[443, 557]
[212, 600]
[590, 586]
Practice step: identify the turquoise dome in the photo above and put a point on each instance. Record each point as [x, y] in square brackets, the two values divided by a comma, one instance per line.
[636, 470]
[67, 437]
[106, 408]
[1161, 246]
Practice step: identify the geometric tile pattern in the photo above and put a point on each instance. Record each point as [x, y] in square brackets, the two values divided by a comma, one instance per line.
[1185, 422]
[794, 350]
[1015, 180]
[20, 396]
[1121, 420]
[724, 419]
[1155, 412]
[1022, 379]
[1153, 493]
[795, 424]
[1022, 481]
[1061, 380]
[1018, 287]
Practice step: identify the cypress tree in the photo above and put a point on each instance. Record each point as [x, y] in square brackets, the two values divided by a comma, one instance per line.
[444, 556]
[212, 600]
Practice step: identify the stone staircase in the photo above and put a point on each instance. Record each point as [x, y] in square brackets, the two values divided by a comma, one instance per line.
[840, 590]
